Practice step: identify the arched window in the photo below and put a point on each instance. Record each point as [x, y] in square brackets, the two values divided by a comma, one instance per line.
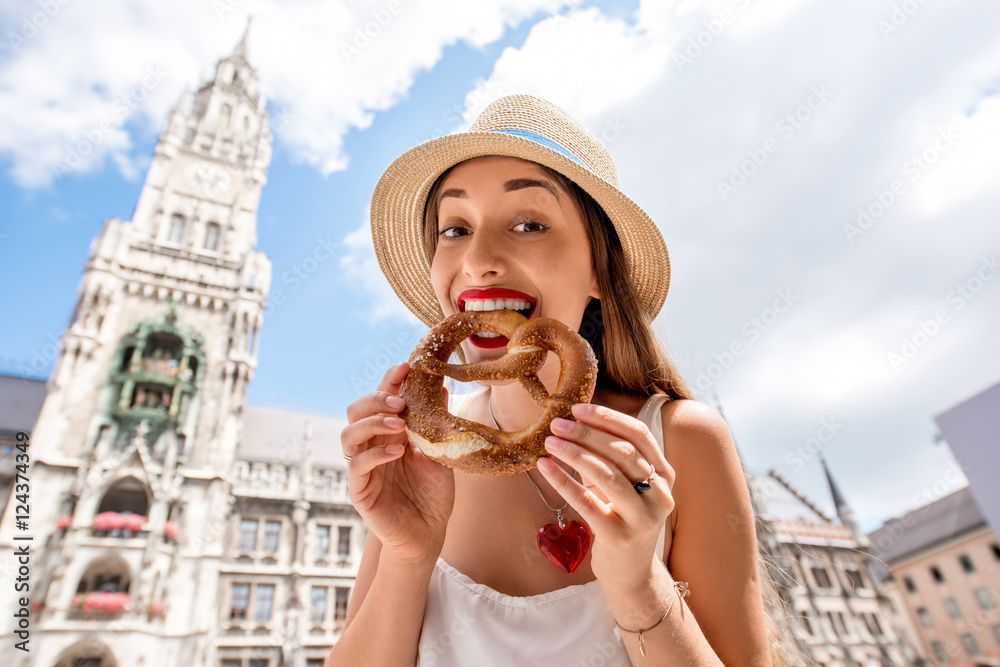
[127, 495]
[176, 232]
[212, 236]
[88, 652]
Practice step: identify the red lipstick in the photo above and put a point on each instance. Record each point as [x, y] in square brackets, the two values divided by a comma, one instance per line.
[492, 293]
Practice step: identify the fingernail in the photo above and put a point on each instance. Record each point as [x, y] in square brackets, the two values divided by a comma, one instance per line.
[563, 425]
[395, 402]
[393, 422]
[546, 465]
[582, 409]
[554, 444]
[393, 449]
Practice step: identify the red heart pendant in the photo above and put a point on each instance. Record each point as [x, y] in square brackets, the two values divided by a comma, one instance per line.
[565, 547]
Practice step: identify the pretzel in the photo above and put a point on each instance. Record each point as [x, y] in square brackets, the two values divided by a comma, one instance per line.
[476, 448]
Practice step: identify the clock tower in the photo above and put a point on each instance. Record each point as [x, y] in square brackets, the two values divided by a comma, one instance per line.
[144, 412]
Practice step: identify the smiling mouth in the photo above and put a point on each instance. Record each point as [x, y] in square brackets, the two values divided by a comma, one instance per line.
[497, 301]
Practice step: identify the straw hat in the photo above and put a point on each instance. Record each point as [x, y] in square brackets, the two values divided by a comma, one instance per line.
[520, 126]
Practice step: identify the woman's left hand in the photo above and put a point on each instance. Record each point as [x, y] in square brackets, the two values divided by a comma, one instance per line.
[612, 451]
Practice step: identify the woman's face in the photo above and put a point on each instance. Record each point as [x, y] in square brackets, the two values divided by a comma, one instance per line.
[507, 231]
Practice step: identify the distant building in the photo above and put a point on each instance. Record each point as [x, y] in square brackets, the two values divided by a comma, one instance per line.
[840, 616]
[971, 429]
[944, 561]
[171, 524]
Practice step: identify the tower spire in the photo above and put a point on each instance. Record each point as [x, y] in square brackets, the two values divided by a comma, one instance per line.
[241, 49]
[843, 509]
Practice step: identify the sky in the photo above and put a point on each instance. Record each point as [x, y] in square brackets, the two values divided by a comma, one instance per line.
[825, 176]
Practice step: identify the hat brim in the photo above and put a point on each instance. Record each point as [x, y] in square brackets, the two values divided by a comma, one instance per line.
[397, 212]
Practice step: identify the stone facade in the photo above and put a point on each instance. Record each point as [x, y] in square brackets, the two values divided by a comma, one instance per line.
[171, 524]
[839, 615]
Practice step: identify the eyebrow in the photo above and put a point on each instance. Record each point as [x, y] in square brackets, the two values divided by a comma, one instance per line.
[509, 186]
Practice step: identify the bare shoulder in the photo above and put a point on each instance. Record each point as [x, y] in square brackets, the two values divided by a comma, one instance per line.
[695, 430]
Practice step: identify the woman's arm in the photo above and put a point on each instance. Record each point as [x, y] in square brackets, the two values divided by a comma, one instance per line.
[715, 544]
[386, 611]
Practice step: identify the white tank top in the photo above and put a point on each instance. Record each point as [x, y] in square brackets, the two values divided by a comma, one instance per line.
[466, 623]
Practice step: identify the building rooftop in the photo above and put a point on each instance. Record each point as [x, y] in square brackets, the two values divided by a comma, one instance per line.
[279, 436]
[20, 404]
[926, 526]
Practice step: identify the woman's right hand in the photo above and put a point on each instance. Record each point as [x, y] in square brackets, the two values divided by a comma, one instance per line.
[404, 497]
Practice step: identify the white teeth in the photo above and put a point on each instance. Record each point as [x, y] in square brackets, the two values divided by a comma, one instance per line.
[488, 334]
[497, 304]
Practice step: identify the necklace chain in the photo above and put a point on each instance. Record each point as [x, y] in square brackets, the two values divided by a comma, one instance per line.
[557, 510]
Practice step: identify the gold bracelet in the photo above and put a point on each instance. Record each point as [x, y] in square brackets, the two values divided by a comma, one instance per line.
[683, 590]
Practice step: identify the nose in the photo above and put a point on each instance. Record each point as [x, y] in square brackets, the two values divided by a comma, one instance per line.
[484, 255]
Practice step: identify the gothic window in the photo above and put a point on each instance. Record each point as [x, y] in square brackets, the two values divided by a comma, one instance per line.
[925, 617]
[248, 535]
[240, 602]
[271, 532]
[822, 577]
[176, 232]
[126, 359]
[127, 495]
[857, 580]
[107, 574]
[936, 573]
[322, 541]
[340, 607]
[910, 586]
[212, 236]
[344, 541]
[265, 600]
[806, 622]
[318, 604]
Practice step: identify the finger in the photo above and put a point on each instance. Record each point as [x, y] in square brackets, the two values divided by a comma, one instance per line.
[628, 428]
[355, 437]
[393, 378]
[374, 403]
[608, 478]
[620, 452]
[362, 464]
[590, 507]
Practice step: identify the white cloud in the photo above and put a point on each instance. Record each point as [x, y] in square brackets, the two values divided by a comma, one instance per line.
[61, 86]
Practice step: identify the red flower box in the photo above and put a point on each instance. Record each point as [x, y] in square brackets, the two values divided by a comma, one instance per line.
[105, 602]
[170, 530]
[64, 522]
[112, 521]
[109, 521]
[155, 608]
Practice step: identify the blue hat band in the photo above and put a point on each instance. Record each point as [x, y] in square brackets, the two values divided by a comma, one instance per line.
[544, 141]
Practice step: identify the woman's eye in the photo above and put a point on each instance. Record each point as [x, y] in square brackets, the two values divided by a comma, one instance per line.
[529, 226]
[452, 232]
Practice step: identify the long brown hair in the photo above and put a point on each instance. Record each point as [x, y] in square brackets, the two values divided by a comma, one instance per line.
[631, 359]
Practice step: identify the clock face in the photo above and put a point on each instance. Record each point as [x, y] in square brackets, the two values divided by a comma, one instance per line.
[211, 179]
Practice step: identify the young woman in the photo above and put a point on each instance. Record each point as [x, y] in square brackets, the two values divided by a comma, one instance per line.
[524, 212]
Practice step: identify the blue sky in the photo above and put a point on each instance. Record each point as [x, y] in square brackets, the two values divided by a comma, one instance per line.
[752, 132]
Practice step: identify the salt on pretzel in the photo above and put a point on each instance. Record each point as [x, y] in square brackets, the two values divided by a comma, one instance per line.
[472, 447]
